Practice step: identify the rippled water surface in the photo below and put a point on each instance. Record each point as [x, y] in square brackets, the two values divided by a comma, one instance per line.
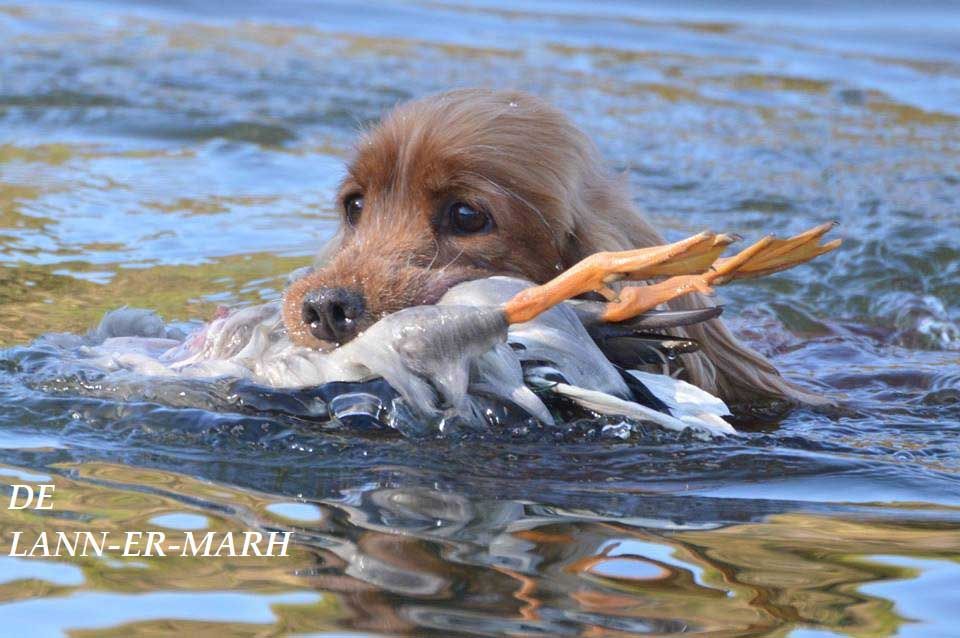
[182, 155]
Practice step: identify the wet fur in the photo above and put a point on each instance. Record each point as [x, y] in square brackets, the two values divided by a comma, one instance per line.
[553, 203]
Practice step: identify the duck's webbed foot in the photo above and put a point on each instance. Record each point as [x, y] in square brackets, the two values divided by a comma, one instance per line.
[690, 265]
[781, 254]
[769, 255]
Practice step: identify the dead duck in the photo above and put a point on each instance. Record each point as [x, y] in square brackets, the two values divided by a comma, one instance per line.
[497, 339]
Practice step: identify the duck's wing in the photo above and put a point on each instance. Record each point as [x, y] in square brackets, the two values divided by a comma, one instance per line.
[663, 401]
[629, 348]
[633, 342]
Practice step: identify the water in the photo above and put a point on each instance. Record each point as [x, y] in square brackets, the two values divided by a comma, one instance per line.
[180, 156]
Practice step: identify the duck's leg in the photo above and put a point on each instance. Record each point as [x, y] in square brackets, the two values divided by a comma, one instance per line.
[634, 300]
[598, 271]
[688, 262]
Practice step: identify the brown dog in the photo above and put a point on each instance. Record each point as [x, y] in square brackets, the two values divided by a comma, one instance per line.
[474, 183]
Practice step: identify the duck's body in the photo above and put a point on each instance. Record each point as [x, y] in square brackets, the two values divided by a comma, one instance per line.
[450, 361]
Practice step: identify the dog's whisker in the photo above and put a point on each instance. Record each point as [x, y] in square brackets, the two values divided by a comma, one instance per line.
[436, 254]
[451, 262]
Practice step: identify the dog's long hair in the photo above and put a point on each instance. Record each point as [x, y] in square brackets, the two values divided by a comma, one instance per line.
[551, 201]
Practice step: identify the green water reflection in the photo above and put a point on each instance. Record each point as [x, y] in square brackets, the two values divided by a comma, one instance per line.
[568, 573]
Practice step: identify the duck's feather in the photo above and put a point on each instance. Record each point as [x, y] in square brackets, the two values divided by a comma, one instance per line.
[590, 314]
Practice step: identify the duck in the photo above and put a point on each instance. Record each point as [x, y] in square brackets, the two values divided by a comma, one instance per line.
[490, 350]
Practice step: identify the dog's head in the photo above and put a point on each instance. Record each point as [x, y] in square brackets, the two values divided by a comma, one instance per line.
[453, 187]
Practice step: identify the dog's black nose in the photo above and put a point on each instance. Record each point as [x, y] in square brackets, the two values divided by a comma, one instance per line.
[333, 314]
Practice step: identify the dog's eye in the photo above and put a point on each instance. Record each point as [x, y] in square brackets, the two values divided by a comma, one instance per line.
[352, 207]
[467, 220]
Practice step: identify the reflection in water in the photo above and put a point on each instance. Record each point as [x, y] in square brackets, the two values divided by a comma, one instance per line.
[391, 560]
[182, 156]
